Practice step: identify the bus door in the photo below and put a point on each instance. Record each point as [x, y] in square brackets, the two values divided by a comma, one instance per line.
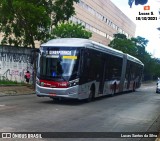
[101, 74]
[94, 68]
[128, 74]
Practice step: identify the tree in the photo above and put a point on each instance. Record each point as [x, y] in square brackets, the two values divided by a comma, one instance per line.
[70, 30]
[63, 9]
[17, 22]
[140, 44]
[23, 21]
[120, 42]
[140, 41]
[137, 48]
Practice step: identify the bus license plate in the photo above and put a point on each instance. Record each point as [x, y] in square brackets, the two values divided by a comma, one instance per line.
[52, 94]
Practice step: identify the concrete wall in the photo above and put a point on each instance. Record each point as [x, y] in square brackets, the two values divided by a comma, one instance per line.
[14, 62]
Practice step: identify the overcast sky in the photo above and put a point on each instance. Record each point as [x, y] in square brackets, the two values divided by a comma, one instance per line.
[146, 29]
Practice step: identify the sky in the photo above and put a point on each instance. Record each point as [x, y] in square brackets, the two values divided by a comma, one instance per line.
[144, 28]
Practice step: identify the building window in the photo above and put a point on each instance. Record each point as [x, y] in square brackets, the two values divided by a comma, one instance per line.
[99, 16]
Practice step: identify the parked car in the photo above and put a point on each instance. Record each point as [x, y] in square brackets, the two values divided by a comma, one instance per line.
[158, 80]
[158, 86]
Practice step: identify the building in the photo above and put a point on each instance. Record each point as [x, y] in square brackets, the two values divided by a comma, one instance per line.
[103, 19]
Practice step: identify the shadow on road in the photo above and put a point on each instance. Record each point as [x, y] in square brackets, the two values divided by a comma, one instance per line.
[75, 102]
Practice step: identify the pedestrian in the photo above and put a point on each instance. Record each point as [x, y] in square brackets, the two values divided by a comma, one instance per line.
[27, 76]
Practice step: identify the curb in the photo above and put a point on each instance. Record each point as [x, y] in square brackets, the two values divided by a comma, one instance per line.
[6, 85]
[13, 90]
[2, 95]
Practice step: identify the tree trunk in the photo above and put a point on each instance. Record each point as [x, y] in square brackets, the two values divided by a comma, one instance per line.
[34, 65]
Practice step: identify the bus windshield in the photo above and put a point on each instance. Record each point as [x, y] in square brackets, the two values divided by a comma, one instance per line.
[58, 64]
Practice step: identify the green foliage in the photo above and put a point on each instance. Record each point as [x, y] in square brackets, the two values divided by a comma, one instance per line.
[120, 36]
[140, 41]
[24, 21]
[63, 9]
[8, 82]
[70, 30]
[136, 47]
[123, 44]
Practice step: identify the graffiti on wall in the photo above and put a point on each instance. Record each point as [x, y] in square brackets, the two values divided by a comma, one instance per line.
[15, 57]
[14, 65]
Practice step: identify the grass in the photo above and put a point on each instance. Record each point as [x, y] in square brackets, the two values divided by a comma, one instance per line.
[8, 82]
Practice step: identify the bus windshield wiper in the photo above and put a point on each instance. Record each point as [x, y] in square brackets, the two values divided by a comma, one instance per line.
[63, 78]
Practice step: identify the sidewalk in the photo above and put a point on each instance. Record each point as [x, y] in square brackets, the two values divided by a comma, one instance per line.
[16, 90]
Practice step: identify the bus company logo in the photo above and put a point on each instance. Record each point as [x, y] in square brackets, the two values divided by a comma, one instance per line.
[42, 83]
[146, 7]
[6, 135]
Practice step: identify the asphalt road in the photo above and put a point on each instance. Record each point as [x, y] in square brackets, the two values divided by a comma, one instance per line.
[129, 112]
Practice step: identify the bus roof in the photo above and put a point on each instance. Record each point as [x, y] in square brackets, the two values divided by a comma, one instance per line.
[79, 42]
[68, 42]
[133, 59]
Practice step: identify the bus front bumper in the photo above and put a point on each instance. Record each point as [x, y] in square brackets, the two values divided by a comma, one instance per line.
[71, 92]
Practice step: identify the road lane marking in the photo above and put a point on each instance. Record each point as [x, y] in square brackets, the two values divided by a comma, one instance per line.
[2, 105]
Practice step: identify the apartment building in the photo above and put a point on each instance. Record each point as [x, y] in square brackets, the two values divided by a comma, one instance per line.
[103, 19]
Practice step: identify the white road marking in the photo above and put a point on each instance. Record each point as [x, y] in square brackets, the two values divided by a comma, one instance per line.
[2, 105]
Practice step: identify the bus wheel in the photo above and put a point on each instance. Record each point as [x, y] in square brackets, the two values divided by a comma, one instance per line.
[114, 90]
[91, 96]
[56, 99]
[134, 87]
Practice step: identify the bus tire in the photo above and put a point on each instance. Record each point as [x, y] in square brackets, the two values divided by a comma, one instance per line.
[114, 89]
[91, 94]
[134, 87]
[55, 99]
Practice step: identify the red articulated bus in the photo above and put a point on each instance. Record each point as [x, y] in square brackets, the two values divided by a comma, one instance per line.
[84, 69]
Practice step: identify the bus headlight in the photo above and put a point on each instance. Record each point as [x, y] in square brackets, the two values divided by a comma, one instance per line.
[37, 81]
[73, 82]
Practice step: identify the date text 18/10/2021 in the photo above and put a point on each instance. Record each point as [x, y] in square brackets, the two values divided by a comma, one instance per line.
[146, 16]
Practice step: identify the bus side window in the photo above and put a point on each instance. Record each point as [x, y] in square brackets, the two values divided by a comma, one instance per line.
[85, 68]
[86, 61]
[89, 70]
[114, 68]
